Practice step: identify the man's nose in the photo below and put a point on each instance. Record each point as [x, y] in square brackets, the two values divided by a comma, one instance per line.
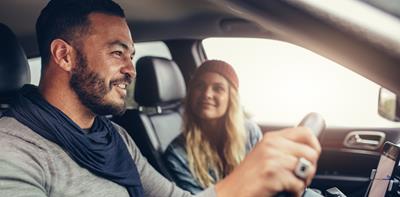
[129, 69]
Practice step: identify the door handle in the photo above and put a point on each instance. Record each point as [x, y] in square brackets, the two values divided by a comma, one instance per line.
[370, 140]
[361, 141]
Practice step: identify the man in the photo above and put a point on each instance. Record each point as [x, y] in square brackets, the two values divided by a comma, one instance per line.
[55, 141]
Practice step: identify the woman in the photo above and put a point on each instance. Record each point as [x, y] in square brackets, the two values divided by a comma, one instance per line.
[215, 136]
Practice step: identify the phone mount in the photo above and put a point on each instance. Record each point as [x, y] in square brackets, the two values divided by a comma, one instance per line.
[393, 188]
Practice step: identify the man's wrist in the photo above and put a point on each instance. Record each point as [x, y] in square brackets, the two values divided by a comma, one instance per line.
[224, 188]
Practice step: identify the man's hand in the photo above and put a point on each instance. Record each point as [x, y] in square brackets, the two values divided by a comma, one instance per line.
[269, 167]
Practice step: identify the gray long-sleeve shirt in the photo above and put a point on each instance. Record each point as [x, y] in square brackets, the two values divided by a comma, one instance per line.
[31, 165]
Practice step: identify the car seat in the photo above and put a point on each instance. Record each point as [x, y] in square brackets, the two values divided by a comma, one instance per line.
[159, 91]
[14, 67]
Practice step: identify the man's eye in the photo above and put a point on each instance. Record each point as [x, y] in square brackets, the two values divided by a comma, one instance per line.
[117, 53]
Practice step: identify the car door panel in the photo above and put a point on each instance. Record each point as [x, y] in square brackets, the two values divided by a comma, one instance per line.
[347, 167]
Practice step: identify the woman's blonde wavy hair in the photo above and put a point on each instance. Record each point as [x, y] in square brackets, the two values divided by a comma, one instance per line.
[202, 155]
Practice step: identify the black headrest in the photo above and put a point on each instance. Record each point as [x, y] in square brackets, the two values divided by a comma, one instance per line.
[14, 67]
[159, 81]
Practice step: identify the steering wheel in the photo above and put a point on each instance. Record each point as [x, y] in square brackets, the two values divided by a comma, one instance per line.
[316, 123]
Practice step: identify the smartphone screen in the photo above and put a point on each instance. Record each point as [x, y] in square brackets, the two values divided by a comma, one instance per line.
[384, 171]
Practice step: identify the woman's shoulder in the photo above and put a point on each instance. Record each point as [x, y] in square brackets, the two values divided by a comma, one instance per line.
[179, 141]
[175, 154]
[254, 134]
[252, 127]
[177, 145]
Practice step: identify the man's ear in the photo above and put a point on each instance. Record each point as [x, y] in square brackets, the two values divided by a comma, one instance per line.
[62, 54]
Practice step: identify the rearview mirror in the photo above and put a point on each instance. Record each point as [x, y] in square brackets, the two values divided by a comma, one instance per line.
[388, 105]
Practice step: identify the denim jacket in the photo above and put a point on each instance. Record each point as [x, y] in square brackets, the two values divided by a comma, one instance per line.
[176, 159]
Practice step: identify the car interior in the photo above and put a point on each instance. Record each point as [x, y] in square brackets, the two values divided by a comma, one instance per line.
[14, 70]
[356, 42]
[159, 90]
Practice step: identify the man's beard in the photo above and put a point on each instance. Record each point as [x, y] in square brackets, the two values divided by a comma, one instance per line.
[91, 88]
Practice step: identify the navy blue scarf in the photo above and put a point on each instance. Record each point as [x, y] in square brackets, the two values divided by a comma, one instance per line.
[102, 151]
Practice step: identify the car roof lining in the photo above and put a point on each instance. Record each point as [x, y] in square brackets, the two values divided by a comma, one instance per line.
[198, 19]
[169, 20]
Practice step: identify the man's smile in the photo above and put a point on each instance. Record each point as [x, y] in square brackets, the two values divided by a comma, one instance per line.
[121, 88]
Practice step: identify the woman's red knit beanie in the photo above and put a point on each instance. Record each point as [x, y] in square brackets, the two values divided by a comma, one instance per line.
[220, 67]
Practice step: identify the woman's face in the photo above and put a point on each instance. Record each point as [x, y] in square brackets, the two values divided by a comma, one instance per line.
[210, 96]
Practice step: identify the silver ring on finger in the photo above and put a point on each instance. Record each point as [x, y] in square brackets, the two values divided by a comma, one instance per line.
[302, 169]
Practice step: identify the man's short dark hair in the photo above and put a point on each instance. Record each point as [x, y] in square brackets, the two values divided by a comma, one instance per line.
[68, 20]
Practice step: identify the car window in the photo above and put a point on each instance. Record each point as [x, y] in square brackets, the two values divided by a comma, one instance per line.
[35, 66]
[156, 48]
[281, 82]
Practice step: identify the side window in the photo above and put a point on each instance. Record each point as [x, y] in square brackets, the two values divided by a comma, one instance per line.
[35, 64]
[281, 82]
[157, 48]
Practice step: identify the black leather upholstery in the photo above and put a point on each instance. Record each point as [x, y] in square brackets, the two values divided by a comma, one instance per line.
[14, 68]
[159, 91]
[159, 81]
